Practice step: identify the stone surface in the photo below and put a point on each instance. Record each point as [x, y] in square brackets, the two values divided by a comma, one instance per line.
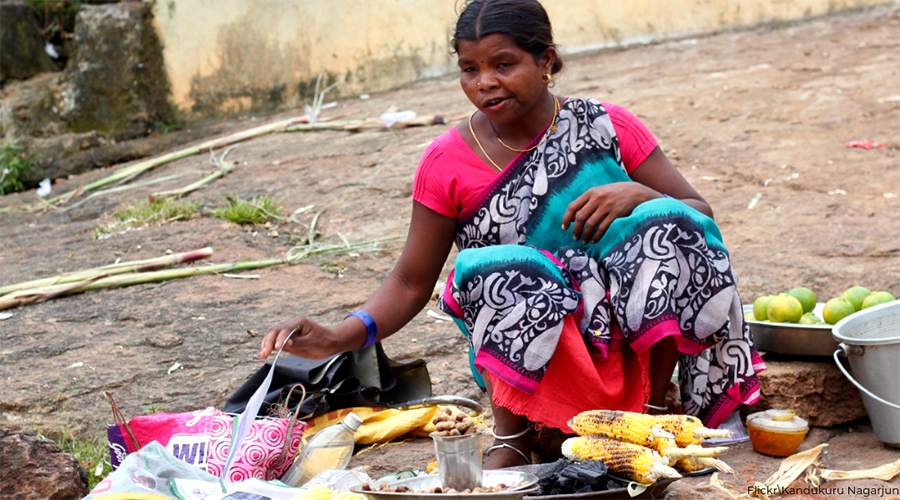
[817, 391]
[22, 55]
[98, 341]
[114, 82]
[33, 467]
[26, 108]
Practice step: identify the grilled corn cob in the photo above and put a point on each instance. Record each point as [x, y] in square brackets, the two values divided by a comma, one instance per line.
[688, 430]
[630, 461]
[635, 428]
[627, 426]
[693, 464]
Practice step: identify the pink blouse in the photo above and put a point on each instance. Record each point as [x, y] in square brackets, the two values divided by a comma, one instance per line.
[450, 174]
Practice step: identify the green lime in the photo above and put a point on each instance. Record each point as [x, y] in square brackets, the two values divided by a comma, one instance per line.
[810, 319]
[760, 306]
[837, 309]
[875, 298]
[856, 295]
[806, 297]
[784, 309]
[750, 317]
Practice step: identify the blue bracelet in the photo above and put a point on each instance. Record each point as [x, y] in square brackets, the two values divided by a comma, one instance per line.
[371, 329]
[666, 196]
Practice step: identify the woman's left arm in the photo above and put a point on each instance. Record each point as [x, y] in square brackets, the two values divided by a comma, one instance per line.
[657, 173]
[591, 214]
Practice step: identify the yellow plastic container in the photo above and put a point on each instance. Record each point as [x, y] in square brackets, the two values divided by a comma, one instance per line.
[776, 432]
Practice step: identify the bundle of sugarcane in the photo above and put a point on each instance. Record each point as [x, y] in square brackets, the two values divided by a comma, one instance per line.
[674, 439]
[151, 271]
[113, 275]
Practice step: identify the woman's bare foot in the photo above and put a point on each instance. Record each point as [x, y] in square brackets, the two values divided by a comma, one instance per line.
[512, 436]
[508, 453]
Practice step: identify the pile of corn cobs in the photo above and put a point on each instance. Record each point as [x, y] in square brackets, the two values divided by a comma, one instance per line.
[643, 448]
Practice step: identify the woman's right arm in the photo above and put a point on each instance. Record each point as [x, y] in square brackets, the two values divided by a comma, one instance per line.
[399, 298]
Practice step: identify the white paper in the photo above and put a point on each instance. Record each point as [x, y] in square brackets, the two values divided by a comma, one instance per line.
[391, 117]
[251, 489]
[45, 188]
[339, 479]
[51, 50]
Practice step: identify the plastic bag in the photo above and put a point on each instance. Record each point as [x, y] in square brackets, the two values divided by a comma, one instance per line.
[203, 438]
[145, 474]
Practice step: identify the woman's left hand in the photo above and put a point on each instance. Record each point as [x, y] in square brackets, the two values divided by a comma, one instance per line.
[594, 211]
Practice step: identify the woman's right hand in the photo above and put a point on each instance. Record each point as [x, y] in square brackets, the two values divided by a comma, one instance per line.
[310, 340]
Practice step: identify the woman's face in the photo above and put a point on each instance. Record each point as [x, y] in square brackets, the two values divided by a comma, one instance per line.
[500, 78]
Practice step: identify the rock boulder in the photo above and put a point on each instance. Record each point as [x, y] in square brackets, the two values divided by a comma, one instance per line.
[115, 81]
[33, 468]
[22, 55]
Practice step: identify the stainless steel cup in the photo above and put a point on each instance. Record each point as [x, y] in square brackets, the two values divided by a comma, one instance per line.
[459, 460]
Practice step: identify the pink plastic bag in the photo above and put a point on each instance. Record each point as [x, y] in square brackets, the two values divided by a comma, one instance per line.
[203, 438]
[260, 452]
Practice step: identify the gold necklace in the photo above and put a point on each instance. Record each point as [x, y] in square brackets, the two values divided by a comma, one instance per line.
[550, 129]
[472, 130]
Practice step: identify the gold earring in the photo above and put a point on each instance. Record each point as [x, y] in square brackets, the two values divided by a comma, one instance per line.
[478, 84]
[547, 79]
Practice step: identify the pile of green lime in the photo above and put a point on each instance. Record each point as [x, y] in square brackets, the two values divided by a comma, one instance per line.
[797, 304]
[853, 299]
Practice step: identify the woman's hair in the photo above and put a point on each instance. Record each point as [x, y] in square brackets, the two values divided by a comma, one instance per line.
[525, 21]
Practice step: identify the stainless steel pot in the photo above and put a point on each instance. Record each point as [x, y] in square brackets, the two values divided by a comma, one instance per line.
[870, 340]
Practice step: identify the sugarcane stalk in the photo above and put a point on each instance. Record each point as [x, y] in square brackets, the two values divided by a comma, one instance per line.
[136, 266]
[178, 193]
[143, 274]
[152, 163]
[126, 172]
[117, 189]
[332, 125]
[35, 295]
[300, 252]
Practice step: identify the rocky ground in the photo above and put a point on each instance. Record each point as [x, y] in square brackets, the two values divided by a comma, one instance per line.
[756, 120]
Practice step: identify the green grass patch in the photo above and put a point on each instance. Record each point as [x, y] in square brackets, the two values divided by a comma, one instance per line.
[130, 216]
[256, 210]
[334, 266]
[14, 165]
[91, 453]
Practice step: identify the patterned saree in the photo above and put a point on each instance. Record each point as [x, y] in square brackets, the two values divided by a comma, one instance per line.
[521, 283]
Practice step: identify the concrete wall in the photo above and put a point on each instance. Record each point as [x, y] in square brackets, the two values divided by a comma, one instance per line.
[236, 55]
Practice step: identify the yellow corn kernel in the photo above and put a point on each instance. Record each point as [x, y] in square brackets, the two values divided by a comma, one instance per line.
[630, 461]
[687, 429]
[344, 495]
[636, 428]
[315, 493]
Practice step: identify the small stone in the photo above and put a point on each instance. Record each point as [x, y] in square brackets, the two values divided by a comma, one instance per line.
[165, 341]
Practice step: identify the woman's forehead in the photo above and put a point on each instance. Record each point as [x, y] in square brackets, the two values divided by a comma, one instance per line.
[487, 45]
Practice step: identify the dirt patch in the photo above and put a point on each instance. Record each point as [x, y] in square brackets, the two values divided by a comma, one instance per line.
[756, 115]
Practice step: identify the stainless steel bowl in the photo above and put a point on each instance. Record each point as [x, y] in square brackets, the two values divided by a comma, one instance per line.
[792, 338]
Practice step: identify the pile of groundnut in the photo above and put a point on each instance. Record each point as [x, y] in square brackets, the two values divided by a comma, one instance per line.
[447, 424]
